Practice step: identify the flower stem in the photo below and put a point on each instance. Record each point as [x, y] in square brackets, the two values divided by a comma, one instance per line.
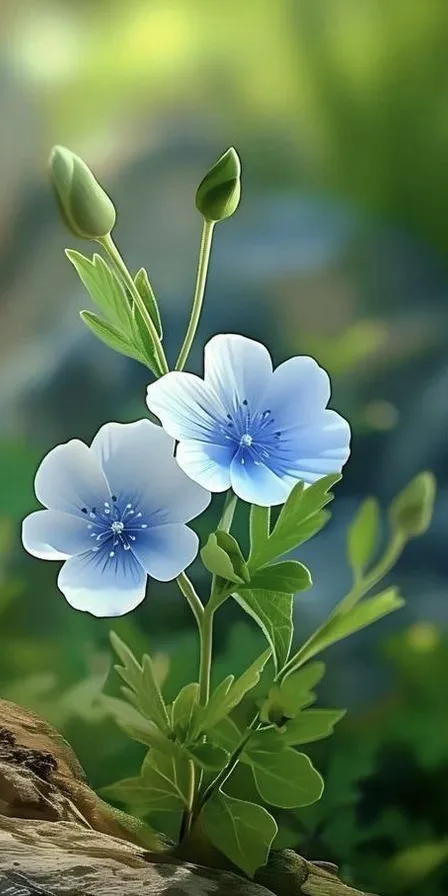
[225, 773]
[228, 512]
[188, 590]
[198, 298]
[206, 635]
[112, 251]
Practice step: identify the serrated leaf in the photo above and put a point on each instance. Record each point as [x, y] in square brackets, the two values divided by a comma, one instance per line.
[296, 690]
[145, 290]
[142, 681]
[311, 725]
[183, 710]
[208, 756]
[300, 518]
[363, 534]
[230, 693]
[286, 779]
[104, 288]
[109, 334]
[288, 577]
[242, 831]
[143, 340]
[222, 556]
[343, 624]
[272, 611]
[135, 725]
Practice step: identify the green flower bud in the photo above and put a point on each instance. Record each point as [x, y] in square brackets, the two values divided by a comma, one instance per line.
[411, 511]
[85, 207]
[218, 195]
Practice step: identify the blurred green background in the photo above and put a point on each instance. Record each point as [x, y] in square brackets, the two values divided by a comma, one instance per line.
[339, 109]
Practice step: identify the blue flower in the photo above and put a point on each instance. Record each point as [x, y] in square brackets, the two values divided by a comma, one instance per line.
[248, 427]
[116, 514]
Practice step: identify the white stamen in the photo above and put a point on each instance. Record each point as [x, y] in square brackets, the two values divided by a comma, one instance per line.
[246, 440]
[117, 527]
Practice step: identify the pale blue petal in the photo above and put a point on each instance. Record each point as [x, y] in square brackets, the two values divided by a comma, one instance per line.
[166, 551]
[207, 464]
[298, 392]
[255, 483]
[52, 535]
[70, 478]
[103, 586]
[138, 460]
[186, 406]
[237, 369]
[313, 451]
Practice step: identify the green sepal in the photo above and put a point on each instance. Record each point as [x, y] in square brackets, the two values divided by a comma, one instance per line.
[410, 513]
[219, 192]
[85, 207]
[222, 556]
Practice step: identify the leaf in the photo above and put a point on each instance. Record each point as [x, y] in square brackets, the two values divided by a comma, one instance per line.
[259, 526]
[341, 625]
[222, 556]
[288, 577]
[295, 691]
[225, 734]
[299, 519]
[311, 725]
[209, 756]
[229, 694]
[144, 287]
[241, 831]
[363, 535]
[144, 340]
[287, 779]
[142, 681]
[162, 785]
[183, 710]
[108, 334]
[135, 725]
[273, 613]
[104, 288]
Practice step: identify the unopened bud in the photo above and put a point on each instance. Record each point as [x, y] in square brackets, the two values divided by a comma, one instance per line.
[219, 193]
[85, 207]
[411, 511]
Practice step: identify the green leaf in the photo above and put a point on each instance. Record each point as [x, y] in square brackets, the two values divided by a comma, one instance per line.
[183, 710]
[341, 625]
[287, 779]
[208, 756]
[144, 287]
[273, 613]
[135, 725]
[241, 831]
[144, 341]
[363, 536]
[288, 577]
[259, 526]
[287, 698]
[299, 519]
[142, 681]
[225, 734]
[108, 334]
[163, 785]
[311, 725]
[410, 513]
[229, 694]
[104, 288]
[222, 556]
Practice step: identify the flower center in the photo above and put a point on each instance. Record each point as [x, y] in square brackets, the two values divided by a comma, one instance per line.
[246, 440]
[117, 527]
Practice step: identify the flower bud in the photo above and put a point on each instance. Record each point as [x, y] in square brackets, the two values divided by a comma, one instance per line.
[86, 208]
[219, 193]
[411, 511]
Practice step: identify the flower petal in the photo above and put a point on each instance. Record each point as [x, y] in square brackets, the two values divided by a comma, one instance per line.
[237, 369]
[207, 464]
[256, 483]
[70, 478]
[138, 460]
[103, 586]
[186, 406]
[313, 451]
[52, 535]
[298, 392]
[166, 551]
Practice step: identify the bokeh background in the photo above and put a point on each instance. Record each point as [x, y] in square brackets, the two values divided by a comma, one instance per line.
[339, 110]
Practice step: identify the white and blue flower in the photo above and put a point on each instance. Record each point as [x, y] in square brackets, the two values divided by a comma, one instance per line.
[116, 513]
[248, 427]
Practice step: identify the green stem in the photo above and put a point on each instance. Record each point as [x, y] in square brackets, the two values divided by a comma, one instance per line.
[356, 593]
[228, 512]
[206, 633]
[112, 251]
[186, 586]
[198, 298]
[187, 818]
[225, 773]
